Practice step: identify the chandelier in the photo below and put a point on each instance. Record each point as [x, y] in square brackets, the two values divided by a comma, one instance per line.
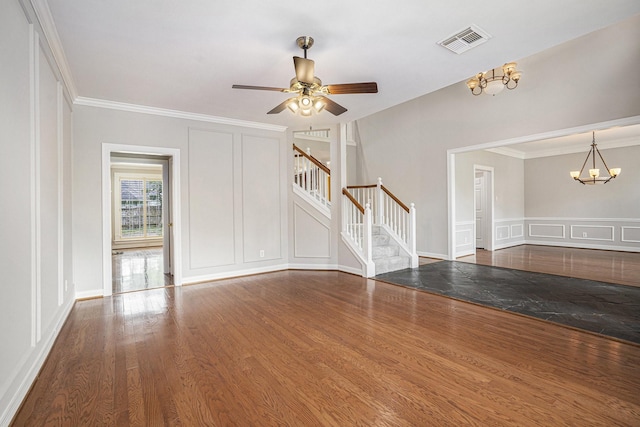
[594, 173]
[491, 83]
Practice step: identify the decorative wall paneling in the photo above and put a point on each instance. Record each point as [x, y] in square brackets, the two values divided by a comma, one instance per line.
[35, 235]
[619, 234]
[465, 238]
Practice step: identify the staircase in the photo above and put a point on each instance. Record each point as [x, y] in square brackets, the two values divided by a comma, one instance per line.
[379, 229]
[386, 253]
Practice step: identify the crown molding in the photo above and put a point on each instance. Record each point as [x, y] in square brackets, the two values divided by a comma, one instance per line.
[134, 108]
[45, 19]
[576, 148]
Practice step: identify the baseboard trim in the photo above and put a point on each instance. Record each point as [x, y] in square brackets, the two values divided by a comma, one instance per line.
[34, 367]
[231, 274]
[432, 255]
[93, 293]
[582, 246]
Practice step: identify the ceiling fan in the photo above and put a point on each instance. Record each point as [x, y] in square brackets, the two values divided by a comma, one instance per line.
[311, 94]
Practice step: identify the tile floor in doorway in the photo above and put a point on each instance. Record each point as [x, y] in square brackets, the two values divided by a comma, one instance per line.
[137, 269]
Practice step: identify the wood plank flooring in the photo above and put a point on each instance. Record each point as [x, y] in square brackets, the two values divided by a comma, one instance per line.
[606, 266]
[307, 348]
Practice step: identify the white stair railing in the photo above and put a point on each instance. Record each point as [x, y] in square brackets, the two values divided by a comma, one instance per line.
[311, 176]
[388, 211]
[357, 229]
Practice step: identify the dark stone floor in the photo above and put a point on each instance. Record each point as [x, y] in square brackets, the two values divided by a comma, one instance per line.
[604, 308]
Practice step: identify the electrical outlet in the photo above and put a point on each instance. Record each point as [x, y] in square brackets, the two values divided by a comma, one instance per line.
[584, 234]
[261, 253]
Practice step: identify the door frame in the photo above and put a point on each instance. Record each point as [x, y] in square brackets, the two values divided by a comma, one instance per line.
[489, 224]
[175, 248]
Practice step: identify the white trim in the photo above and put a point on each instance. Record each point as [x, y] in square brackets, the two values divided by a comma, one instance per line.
[43, 14]
[60, 254]
[37, 316]
[233, 273]
[354, 250]
[508, 232]
[509, 244]
[93, 293]
[509, 220]
[622, 239]
[514, 235]
[451, 217]
[319, 206]
[33, 176]
[34, 368]
[433, 255]
[571, 236]
[460, 223]
[627, 121]
[491, 205]
[573, 149]
[570, 244]
[548, 225]
[468, 252]
[107, 149]
[569, 219]
[121, 106]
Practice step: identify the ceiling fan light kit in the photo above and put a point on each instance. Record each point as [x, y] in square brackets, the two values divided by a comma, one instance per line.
[491, 83]
[311, 94]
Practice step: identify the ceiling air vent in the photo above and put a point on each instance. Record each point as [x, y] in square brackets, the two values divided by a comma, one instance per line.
[465, 39]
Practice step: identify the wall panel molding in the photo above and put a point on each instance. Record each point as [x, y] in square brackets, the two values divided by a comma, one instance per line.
[633, 234]
[306, 224]
[545, 230]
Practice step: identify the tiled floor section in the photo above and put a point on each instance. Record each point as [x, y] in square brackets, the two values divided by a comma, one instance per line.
[604, 308]
[136, 269]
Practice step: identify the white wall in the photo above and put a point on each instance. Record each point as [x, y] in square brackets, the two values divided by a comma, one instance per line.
[233, 199]
[561, 88]
[35, 197]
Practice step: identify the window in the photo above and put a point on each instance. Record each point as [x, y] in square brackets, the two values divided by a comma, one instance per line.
[138, 203]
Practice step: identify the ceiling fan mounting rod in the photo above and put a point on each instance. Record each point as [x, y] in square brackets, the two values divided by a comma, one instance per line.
[304, 43]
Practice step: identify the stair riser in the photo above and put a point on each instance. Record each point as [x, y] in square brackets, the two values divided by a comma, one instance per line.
[384, 251]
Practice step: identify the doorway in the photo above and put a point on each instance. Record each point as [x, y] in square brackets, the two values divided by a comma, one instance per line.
[141, 225]
[140, 239]
[483, 206]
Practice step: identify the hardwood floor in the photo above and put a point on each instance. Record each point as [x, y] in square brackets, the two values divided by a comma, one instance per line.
[324, 348]
[606, 266]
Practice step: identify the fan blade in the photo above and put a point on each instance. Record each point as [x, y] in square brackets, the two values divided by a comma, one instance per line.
[277, 89]
[304, 69]
[280, 107]
[333, 107]
[347, 88]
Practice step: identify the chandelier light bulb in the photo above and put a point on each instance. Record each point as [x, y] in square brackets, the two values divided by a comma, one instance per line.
[594, 173]
[493, 82]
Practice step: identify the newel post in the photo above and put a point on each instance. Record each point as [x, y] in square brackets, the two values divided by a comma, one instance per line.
[367, 233]
[379, 206]
[367, 244]
[412, 235]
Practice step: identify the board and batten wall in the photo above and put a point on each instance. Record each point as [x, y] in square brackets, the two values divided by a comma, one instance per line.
[232, 192]
[408, 144]
[35, 195]
[562, 212]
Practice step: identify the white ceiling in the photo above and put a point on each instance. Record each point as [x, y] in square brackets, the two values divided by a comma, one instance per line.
[185, 55]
